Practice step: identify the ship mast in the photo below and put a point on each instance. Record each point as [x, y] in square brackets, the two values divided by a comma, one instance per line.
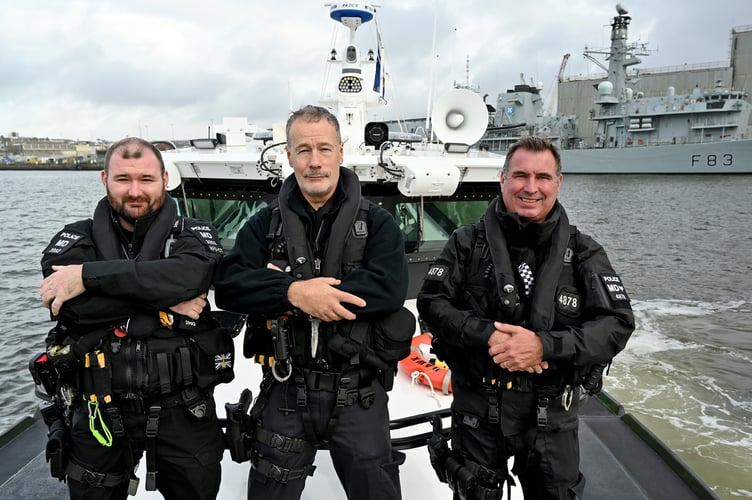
[351, 103]
[620, 55]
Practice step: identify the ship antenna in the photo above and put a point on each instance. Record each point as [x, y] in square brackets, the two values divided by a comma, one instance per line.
[430, 78]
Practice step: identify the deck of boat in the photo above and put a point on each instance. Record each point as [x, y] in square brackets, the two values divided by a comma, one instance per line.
[620, 459]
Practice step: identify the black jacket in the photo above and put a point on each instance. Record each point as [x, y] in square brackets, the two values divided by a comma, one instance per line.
[578, 319]
[243, 283]
[124, 277]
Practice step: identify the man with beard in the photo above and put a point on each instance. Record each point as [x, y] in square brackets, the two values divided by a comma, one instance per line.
[525, 309]
[128, 290]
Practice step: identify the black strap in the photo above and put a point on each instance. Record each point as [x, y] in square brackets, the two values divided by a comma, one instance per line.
[93, 478]
[280, 442]
[163, 369]
[152, 427]
[280, 474]
[185, 365]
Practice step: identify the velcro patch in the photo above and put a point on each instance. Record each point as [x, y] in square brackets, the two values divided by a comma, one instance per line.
[614, 287]
[568, 302]
[206, 235]
[64, 240]
[437, 272]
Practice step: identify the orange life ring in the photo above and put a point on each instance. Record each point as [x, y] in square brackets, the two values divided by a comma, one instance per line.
[423, 365]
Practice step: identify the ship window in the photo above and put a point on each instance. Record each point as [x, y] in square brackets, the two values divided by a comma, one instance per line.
[227, 216]
[429, 228]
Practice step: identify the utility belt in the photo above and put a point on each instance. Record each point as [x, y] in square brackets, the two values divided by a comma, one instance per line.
[123, 369]
[307, 342]
[127, 361]
[553, 401]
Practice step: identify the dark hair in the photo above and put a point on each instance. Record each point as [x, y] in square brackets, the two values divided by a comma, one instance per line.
[311, 113]
[132, 147]
[536, 145]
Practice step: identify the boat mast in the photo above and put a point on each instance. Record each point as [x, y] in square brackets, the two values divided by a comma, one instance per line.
[351, 103]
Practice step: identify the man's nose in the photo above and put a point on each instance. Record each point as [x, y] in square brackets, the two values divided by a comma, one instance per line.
[134, 190]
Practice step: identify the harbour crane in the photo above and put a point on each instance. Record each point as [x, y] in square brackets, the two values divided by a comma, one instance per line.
[552, 94]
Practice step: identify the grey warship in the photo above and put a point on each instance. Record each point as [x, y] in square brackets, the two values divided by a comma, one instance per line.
[705, 131]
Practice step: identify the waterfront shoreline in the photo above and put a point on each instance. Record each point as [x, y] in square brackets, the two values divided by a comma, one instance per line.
[30, 168]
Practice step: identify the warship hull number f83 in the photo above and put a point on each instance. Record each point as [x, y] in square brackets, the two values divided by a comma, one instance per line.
[713, 160]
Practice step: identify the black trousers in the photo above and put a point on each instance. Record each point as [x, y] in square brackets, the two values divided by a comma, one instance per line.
[188, 453]
[360, 448]
[546, 460]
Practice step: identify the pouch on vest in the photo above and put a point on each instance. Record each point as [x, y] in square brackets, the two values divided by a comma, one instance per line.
[393, 334]
[148, 366]
[213, 353]
[379, 343]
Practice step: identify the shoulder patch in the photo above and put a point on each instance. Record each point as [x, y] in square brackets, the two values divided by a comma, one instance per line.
[614, 287]
[63, 241]
[207, 235]
[436, 272]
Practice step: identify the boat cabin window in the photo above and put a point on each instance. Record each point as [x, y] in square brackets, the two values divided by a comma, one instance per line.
[426, 225]
[228, 216]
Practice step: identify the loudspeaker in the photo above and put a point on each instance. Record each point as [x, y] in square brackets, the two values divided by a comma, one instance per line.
[376, 134]
[459, 117]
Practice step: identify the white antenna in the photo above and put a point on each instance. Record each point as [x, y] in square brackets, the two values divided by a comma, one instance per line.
[430, 79]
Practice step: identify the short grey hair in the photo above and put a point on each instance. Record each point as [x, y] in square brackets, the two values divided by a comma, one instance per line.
[535, 145]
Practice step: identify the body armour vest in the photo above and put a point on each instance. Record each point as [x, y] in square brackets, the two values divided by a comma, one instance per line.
[493, 287]
[291, 250]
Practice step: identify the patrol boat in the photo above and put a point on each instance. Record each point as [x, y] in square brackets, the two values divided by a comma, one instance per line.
[707, 131]
[431, 189]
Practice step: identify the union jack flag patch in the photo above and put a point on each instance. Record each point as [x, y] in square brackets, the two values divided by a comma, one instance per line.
[222, 361]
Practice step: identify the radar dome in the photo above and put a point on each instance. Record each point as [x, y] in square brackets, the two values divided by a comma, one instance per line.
[605, 88]
[628, 93]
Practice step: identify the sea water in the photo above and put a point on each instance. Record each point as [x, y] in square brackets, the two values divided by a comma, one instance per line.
[682, 245]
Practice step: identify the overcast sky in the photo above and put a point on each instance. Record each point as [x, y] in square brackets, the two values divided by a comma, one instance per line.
[86, 69]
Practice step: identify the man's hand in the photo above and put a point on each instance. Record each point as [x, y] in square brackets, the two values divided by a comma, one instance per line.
[65, 283]
[191, 308]
[319, 298]
[515, 348]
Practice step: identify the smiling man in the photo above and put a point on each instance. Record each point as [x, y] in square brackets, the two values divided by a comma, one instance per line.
[525, 309]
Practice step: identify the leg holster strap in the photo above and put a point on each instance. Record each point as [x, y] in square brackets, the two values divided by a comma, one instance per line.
[280, 474]
[280, 442]
[95, 479]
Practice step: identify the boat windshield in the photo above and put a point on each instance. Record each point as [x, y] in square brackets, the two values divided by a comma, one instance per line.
[426, 225]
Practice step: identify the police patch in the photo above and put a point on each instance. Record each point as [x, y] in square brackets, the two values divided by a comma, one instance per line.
[64, 241]
[437, 272]
[207, 235]
[614, 287]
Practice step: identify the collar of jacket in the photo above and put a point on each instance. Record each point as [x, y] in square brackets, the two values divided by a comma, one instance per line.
[149, 236]
[295, 232]
[500, 237]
